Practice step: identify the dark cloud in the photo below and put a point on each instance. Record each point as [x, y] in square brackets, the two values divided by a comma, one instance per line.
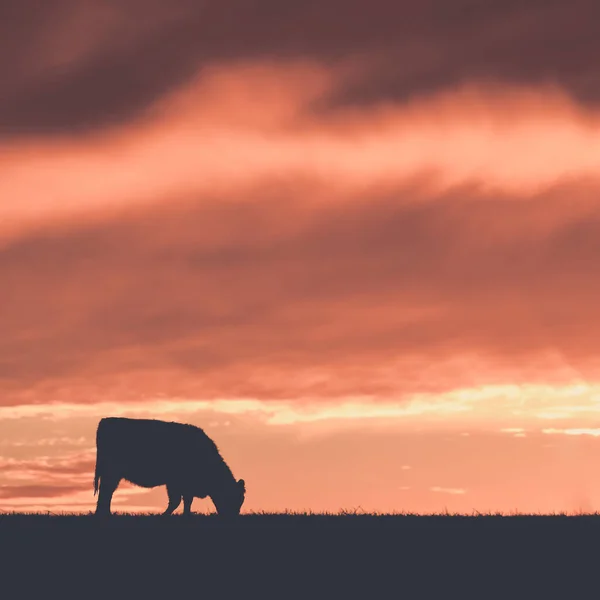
[221, 293]
[134, 52]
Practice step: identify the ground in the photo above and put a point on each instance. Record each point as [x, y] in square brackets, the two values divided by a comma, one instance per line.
[309, 556]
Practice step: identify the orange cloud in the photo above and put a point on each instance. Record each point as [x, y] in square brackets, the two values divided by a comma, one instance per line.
[451, 491]
[377, 298]
[595, 432]
[239, 127]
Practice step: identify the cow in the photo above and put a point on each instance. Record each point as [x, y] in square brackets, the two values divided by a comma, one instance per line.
[150, 453]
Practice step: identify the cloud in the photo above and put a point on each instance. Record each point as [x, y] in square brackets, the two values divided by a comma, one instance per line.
[380, 296]
[64, 480]
[451, 491]
[71, 63]
[52, 467]
[96, 63]
[594, 432]
[243, 132]
[275, 413]
[516, 432]
[306, 416]
[10, 492]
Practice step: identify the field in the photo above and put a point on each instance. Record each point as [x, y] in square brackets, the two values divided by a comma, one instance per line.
[297, 555]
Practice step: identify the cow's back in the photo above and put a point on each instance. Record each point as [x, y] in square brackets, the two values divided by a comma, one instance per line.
[150, 452]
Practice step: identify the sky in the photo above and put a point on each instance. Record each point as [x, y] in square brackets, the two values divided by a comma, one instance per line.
[357, 242]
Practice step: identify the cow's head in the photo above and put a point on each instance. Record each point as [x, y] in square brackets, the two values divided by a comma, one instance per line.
[228, 501]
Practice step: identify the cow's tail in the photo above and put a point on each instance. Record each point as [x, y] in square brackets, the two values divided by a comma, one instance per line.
[96, 478]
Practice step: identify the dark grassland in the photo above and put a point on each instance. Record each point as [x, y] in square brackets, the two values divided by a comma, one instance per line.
[300, 555]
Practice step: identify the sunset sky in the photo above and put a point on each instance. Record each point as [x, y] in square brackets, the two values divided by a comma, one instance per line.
[357, 242]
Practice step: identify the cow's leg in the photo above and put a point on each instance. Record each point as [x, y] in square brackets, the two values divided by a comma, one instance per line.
[108, 485]
[187, 504]
[174, 501]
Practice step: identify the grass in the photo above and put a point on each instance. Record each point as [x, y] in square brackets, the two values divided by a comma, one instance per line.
[302, 554]
[305, 516]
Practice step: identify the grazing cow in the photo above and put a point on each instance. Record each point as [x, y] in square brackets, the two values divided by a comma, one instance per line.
[150, 453]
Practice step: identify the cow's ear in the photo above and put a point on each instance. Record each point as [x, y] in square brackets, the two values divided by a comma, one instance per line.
[242, 484]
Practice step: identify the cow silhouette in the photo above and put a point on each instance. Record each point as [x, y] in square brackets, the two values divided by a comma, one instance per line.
[149, 453]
